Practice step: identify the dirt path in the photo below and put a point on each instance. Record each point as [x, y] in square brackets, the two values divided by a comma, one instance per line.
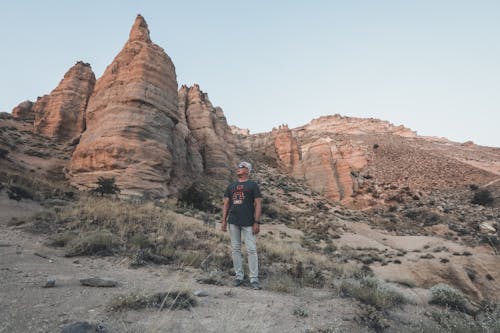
[28, 307]
[491, 183]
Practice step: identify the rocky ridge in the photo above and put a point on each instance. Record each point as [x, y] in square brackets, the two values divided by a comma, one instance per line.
[364, 162]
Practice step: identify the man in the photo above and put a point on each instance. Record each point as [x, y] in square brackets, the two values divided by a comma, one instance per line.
[242, 210]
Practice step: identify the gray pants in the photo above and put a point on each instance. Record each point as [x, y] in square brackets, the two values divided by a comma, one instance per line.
[235, 232]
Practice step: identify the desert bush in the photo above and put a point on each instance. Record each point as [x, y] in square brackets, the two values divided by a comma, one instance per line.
[62, 239]
[101, 243]
[106, 186]
[444, 295]
[374, 318]
[196, 196]
[281, 282]
[139, 240]
[423, 215]
[300, 312]
[215, 277]
[3, 153]
[164, 237]
[372, 291]
[36, 188]
[447, 321]
[172, 300]
[482, 197]
[19, 192]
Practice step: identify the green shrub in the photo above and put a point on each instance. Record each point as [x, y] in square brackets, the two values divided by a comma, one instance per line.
[373, 292]
[106, 186]
[482, 197]
[196, 197]
[3, 153]
[18, 192]
[443, 294]
[449, 322]
[300, 312]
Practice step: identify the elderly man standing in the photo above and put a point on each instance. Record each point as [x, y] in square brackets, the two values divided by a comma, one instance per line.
[242, 210]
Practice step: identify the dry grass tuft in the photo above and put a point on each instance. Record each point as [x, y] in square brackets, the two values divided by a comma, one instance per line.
[172, 300]
[100, 243]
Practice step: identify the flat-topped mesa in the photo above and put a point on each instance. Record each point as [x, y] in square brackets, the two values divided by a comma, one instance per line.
[61, 114]
[209, 127]
[131, 123]
[351, 125]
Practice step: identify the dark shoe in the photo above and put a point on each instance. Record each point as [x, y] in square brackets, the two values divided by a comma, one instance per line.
[237, 283]
[255, 285]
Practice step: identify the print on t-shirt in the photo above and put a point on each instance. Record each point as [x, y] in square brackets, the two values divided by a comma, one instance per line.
[238, 195]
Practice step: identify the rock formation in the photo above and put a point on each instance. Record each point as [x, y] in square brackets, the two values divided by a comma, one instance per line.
[61, 113]
[131, 124]
[209, 127]
[24, 111]
[239, 131]
[327, 167]
[287, 149]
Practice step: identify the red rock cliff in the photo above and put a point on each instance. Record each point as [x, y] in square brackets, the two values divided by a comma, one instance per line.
[61, 113]
[131, 124]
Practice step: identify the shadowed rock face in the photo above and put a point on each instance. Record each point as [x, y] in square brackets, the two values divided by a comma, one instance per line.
[209, 127]
[61, 114]
[132, 118]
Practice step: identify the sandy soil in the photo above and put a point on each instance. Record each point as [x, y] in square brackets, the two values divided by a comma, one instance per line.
[28, 307]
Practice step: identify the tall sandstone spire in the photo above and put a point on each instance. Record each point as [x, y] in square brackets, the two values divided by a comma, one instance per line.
[131, 123]
[61, 114]
[209, 127]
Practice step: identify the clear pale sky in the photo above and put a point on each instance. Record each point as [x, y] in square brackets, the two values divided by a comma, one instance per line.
[431, 65]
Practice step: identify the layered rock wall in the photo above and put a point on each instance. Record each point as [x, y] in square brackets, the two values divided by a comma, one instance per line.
[287, 149]
[61, 114]
[209, 128]
[133, 130]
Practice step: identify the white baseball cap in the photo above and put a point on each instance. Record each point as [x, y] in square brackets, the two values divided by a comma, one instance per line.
[245, 165]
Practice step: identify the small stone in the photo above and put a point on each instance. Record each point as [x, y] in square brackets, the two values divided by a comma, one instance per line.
[487, 227]
[84, 327]
[200, 293]
[98, 282]
[51, 282]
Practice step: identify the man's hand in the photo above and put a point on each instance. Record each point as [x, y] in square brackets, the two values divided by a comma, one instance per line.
[223, 226]
[255, 228]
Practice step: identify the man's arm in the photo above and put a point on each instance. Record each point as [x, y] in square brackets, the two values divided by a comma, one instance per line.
[258, 212]
[225, 210]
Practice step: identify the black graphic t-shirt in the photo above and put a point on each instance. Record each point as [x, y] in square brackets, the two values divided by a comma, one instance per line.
[241, 202]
